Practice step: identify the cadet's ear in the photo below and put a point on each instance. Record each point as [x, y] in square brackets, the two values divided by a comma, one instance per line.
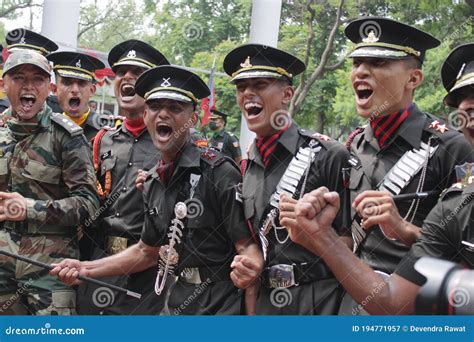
[54, 88]
[195, 117]
[93, 88]
[415, 80]
[288, 92]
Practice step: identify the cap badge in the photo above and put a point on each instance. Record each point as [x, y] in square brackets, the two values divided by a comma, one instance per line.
[78, 63]
[166, 82]
[437, 126]
[461, 71]
[22, 40]
[371, 38]
[132, 54]
[246, 63]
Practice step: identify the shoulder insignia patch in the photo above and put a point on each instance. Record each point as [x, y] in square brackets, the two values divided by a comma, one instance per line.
[209, 155]
[438, 126]
[67, 124]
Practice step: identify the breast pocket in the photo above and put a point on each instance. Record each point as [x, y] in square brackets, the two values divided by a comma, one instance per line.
[42, 173]
[355, 178]
[249, 207]
[200, 214]
[107, 165]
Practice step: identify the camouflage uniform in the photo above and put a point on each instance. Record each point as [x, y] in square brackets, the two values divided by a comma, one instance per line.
[52, 169]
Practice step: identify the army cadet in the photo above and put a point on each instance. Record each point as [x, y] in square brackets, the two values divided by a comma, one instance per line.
[4, 104]
[194, 224]
[118, 154]
[222, 140]
[439, 170]
[23, 39]
[284, 159]
[75, 84]
[47, 190]
[402, 149]
[458, 79]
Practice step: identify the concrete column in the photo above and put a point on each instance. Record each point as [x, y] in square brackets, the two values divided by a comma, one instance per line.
[61, 22]
[264, 28]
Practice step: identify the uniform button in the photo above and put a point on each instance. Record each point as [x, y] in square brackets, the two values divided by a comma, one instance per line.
[136, 140]
[117, 214]
[130, 164]
[124, 189]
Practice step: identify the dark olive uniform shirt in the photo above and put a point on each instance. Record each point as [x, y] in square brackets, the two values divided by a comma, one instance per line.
[373, 164]
[215, 222]
[449, 224]
[123, 155]
[260, 183]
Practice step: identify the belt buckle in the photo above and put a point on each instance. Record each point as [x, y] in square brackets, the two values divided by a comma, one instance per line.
[116, 244]
[281, 276]
[191, 275]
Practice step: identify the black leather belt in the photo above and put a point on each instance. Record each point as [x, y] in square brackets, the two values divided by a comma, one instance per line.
[284, 275]
[206, 274]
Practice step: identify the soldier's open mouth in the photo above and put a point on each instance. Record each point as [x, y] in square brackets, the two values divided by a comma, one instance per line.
[27, 101]
[253, 108]
[127, 90]
[164, 131]
[363, 91]
[74, 102]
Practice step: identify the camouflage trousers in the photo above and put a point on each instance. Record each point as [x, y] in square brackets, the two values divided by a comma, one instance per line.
[28, 289]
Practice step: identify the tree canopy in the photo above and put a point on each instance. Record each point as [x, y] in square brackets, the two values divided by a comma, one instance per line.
[194, 33]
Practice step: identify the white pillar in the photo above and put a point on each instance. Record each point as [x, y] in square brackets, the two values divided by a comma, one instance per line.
[61, 22]
[264, 28]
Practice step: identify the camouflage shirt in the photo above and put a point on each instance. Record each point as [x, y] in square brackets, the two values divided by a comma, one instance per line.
[53, 169]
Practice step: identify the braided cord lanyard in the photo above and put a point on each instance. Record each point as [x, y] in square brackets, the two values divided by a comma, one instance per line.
[312, 143]
[415, 203]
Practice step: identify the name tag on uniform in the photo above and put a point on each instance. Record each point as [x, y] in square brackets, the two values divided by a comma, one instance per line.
[106, 155]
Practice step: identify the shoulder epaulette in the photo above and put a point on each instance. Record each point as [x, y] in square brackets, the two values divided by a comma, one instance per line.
[67, 124]
[456, 188]
[212, 157]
